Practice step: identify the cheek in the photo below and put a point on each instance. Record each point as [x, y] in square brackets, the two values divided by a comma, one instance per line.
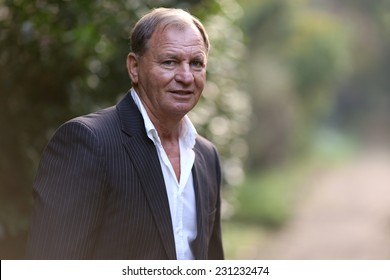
[162, 77]
[154, 79]
[200, 81]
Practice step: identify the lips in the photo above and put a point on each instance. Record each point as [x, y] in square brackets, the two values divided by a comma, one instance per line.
[181, 92]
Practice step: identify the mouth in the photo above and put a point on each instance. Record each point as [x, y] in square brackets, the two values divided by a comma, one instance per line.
[181, 92]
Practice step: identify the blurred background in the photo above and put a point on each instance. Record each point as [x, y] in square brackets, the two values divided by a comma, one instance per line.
[297, 101]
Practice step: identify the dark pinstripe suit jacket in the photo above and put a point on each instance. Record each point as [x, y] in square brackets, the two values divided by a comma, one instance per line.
[100, 193]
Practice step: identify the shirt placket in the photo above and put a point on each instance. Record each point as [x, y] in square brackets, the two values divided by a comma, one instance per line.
[178, 201]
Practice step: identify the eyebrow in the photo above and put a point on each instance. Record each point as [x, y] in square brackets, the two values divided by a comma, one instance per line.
[198, 56]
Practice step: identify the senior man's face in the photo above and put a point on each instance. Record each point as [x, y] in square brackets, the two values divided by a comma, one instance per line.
[171, 75]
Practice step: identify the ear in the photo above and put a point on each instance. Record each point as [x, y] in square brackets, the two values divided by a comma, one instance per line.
[132, 67]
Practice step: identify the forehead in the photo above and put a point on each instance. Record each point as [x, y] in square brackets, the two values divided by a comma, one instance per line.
[177, 36]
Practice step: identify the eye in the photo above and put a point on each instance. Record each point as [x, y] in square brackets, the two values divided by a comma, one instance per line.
[197, 64]
[168, 62]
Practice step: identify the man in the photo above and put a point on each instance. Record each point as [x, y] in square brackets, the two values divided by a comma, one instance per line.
[135, 181]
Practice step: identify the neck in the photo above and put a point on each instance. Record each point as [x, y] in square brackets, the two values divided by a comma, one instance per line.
[168, 127]
[169, 137]
[167, 131]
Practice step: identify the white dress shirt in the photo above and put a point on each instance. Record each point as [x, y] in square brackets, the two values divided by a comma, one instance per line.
[181, 194]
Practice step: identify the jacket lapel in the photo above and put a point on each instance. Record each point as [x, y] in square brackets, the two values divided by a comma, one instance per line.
[145, 159]
[198, 172]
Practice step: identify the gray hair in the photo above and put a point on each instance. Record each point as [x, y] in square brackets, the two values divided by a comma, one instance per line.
[162, 17]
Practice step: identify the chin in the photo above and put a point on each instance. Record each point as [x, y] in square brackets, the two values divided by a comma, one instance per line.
[180, 112]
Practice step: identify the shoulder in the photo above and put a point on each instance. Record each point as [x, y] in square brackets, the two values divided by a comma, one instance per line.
[88, 130]
[207, 150]
[102, 121]
[205, 145]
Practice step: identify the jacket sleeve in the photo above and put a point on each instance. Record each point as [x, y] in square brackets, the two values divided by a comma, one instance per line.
[68, 195]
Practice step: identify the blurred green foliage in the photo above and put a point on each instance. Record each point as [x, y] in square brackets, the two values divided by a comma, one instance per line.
[298, 58]
[267, 197]
[319, 89]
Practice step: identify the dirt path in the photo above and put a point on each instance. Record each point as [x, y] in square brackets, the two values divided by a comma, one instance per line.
[344, 215]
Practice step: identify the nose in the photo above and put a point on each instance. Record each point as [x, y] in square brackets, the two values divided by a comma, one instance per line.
[184, 74]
